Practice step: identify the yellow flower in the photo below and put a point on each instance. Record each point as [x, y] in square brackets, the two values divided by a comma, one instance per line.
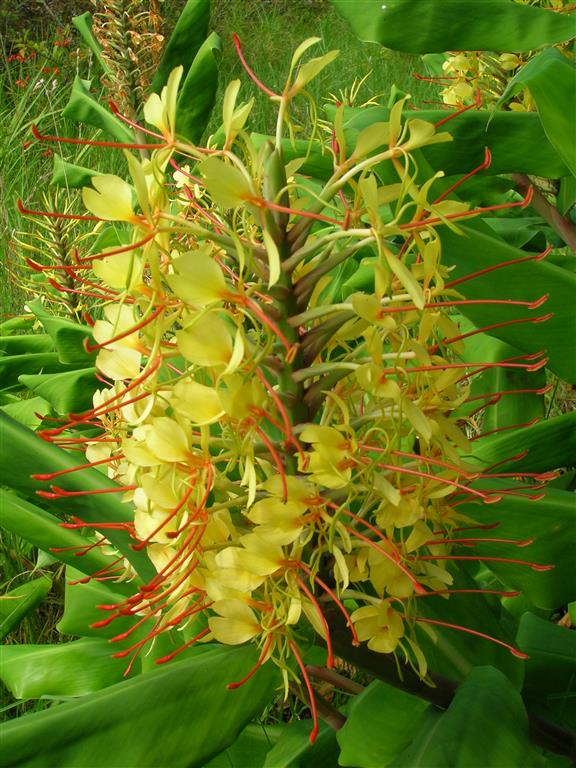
[111, 198]
[380, 624]
[160, 111]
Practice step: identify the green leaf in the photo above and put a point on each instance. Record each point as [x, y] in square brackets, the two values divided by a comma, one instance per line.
[293, 748]
[381, 722]
[185, 41]
[476, 250]
[42, 529]
[25, 344]
[551, 523]
[69, 669]
[512, 409]
[82, 107]
[83, 24]
[250, 748]
[516, 140]
[198, 91]
[68, 337]
[66, 392]
[430, 26]
[551, 79]
[14, 605]
[550, 686]
[12, 366]
[549, 444]
[28, 411]
[65, 174]
[180, 715]
[485, 725]
[22, 453]
[453, 652]
[80, 606]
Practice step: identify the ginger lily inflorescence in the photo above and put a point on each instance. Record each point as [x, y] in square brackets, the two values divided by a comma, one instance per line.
[285, 438]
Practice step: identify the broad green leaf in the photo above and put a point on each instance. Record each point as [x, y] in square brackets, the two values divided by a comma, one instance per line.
[549, 444]
[550, 686]
[198, 92]
[42, 529]
[509, 410]
[66, 392]
[81, 601]
[185, 41]
[68, 337]
[22, 453]
[452, 652]
[566, 194]
[519, 231]
[516, 140]
[22, 345]
[18, 323]
[430, 26]
[485, 725]
[12, 366]
[293, 748]
[381, 722]
[68, 669]
[180, 715]
[83, 24]
[16, 603]
[476, 250]
[68, 175]
[551, 79]
[250, 748]
[28, 411]
[551, 523]
[82, 107]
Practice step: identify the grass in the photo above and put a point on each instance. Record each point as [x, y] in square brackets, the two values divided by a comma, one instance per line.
[270, 31]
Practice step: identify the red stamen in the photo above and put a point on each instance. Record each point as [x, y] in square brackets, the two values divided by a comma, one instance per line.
[487, 328]
[114, 251]
[503, 429]
[170, 656]
[501, 265]
[61, 492]
[90, 464]
[251, 74]
[93, 143]
[277, 461]
[482, 167]
[55, 214]
[532, 566]
[116, 111]
[330, 592]
[325, 627]
[308, 684]
[513, 651]
[255, 668]
[133, 329]
[477, 104]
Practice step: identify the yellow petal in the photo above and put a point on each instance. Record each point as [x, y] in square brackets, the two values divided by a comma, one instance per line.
[197, 402]
[226, 184]
[206, 342]
[111, 198]
[198, 280]
[119, 364]
[167, 440]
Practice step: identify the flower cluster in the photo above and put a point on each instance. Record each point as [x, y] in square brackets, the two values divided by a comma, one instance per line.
[285, 440]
